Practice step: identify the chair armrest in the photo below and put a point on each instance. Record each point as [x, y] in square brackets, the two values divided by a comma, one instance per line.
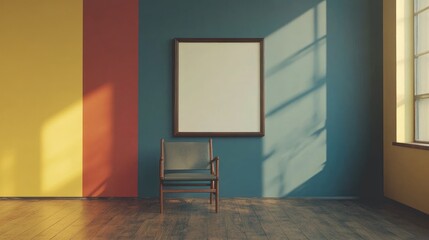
[215, 159]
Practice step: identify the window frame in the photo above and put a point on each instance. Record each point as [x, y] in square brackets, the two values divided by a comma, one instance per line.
[416, 55]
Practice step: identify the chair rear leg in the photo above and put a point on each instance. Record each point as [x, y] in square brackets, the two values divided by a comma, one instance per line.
[161, 198]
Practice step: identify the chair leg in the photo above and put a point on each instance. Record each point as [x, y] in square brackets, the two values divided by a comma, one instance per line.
[161, 198]
[211, 194]
[217, 196]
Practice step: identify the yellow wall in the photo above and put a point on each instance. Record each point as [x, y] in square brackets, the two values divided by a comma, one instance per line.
[406, 170]
[40, 98]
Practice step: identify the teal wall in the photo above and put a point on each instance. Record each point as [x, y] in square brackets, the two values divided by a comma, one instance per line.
[323, 80]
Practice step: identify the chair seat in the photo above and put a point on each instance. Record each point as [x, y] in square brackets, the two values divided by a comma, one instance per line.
[189, 177]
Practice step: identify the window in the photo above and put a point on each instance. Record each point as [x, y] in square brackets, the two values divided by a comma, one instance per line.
[421, 66]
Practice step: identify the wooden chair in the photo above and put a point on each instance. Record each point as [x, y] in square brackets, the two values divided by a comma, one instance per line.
[188, 164]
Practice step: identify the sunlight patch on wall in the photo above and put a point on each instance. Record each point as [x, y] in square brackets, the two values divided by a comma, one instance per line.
[296, 78]
[99, 104]
[61, 153]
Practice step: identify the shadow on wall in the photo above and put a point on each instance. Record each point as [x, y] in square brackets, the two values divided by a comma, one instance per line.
[320, 91]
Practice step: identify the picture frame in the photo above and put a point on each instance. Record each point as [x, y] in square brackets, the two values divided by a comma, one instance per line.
[219, 87]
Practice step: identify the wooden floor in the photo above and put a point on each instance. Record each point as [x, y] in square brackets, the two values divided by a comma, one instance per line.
[195, 219]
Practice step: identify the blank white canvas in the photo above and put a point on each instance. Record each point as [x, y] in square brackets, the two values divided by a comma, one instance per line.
[219, 87]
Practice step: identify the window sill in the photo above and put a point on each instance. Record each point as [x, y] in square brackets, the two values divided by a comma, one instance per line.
[412, 145]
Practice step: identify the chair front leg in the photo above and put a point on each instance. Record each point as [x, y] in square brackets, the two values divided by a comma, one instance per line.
[217, 196]
[211, 194]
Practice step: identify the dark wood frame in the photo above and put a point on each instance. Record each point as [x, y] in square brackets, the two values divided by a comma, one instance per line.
[176, 89]
[213, 184]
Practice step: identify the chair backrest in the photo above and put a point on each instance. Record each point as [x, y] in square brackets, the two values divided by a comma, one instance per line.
[186, 155]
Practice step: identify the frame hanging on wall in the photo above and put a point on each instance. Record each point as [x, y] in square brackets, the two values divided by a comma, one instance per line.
[219, 87]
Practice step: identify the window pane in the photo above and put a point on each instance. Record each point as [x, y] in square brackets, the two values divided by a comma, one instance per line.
[422, 74]
[422, 32]
[422, 120]
[421, 4]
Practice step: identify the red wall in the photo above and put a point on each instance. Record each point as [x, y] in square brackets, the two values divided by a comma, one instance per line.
[110, 98]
